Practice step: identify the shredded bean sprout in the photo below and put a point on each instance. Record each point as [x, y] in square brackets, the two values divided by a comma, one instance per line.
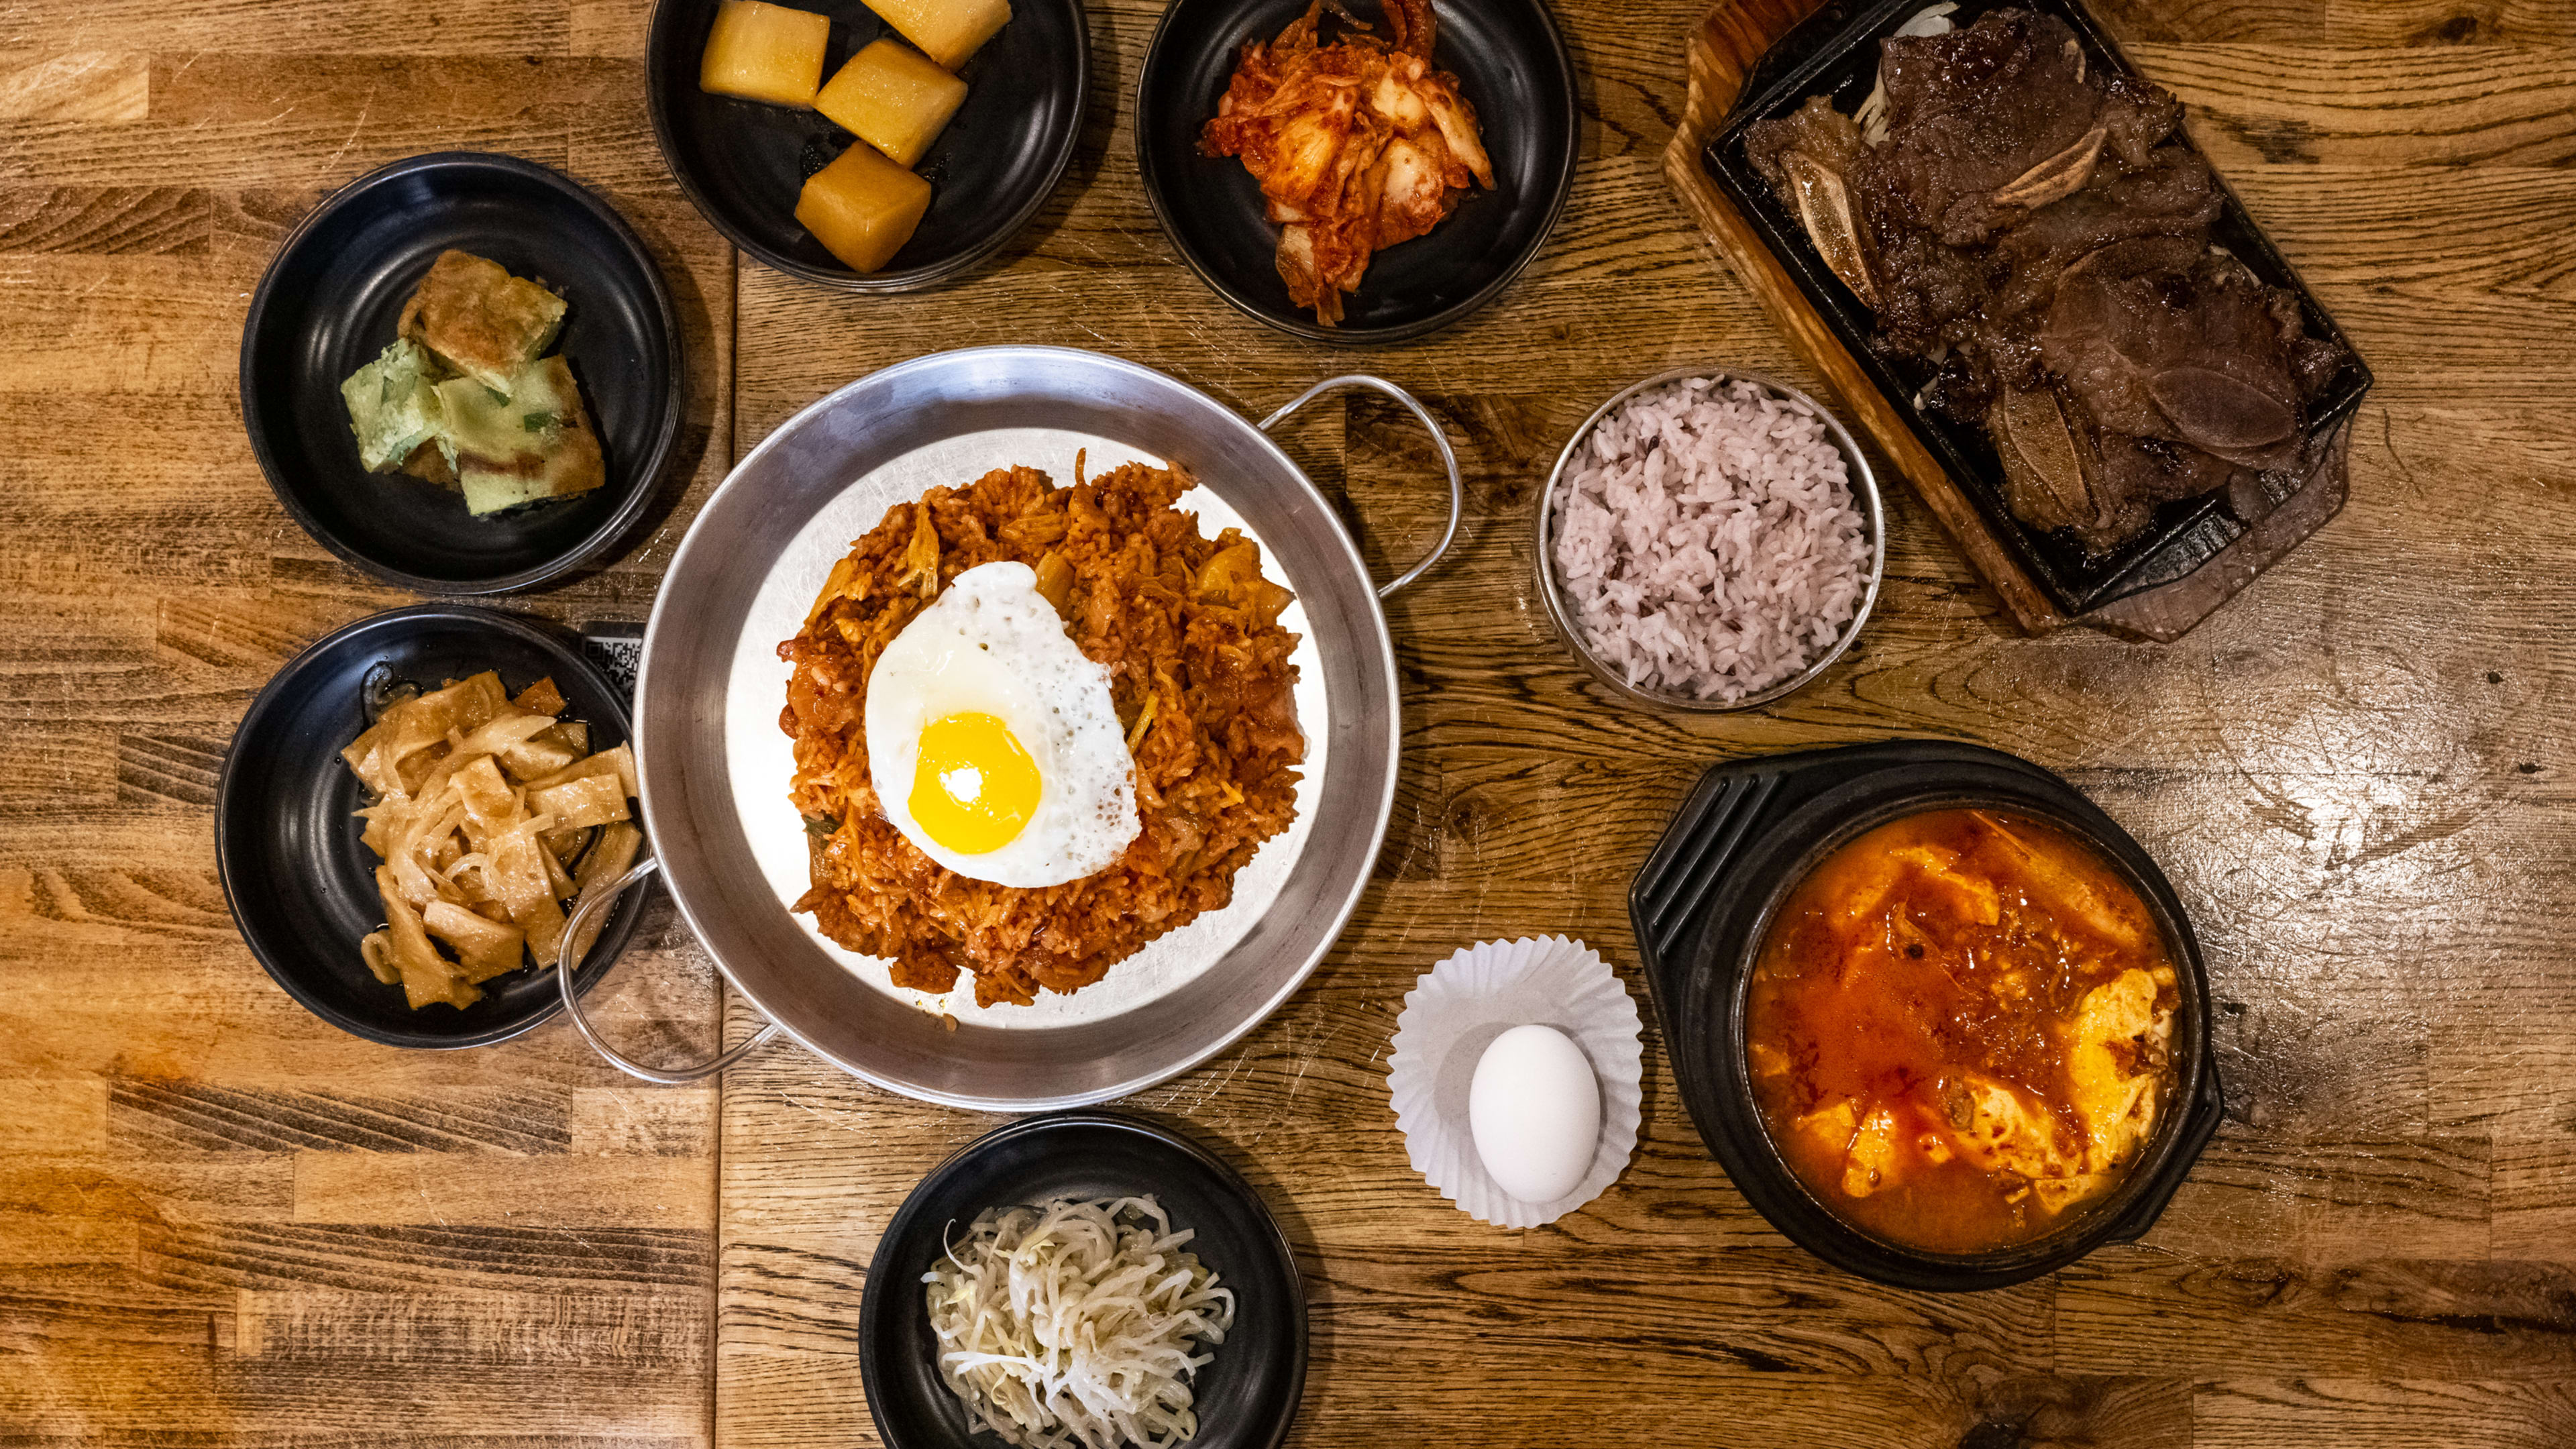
[1072, 1324]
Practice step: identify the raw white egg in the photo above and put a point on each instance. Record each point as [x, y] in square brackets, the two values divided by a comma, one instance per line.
[992, 740]
[1535, 1111]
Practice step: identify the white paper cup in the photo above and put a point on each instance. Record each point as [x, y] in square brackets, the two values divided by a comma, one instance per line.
[1455, 1011]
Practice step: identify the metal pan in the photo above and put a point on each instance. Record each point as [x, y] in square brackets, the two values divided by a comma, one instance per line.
[689, 729]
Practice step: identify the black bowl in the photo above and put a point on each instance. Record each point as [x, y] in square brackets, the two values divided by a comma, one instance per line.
[1511, 65]
[328, 306]
[302, 885]
[1246, 1396]
[1705, 898]
[742, 163]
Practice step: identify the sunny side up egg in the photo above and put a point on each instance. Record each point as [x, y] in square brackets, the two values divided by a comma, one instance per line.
[993, 741]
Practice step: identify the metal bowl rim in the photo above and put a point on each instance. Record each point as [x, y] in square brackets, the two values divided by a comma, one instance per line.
[1864, 484]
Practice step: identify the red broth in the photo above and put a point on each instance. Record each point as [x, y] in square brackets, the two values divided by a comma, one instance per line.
[1960, 1030]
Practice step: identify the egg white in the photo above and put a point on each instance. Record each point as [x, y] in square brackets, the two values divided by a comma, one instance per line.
[991, 643]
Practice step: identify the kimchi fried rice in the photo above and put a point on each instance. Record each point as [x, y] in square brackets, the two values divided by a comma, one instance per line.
[1199, 670]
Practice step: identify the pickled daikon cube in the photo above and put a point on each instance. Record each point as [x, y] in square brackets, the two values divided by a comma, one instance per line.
[862, 207]
[947, 31]
[893, 98]
[764, 52]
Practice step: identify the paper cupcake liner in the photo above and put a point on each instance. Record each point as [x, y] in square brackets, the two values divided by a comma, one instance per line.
[1456, 1010]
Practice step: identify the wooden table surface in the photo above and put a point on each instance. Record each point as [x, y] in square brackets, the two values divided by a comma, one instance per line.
[224, 1223]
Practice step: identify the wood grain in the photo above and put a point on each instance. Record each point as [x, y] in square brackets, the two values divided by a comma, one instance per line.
[224, 1224]
[221, 1220]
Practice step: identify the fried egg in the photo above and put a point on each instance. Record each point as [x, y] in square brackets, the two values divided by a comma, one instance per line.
[992, 740]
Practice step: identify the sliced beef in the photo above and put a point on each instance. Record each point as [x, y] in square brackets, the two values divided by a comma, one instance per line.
[1990, 122]
[2172, 195]
[2034, 237]
[2131, 477]
[1808, 157]
[2104, 485]
[1815, 128]
[2314, 361]
[2161, 338]
[1974, 110]
[1929, 294]
[1962, 390]
[2138, 116]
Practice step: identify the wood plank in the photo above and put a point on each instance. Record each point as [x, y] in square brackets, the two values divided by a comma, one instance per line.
[49, 1193]
[2333, 1201]
[55, 1115]
[2137, 1309]
[467, 28]
[167, 770]
[643, 1120]
[148, 1116]
[2534, 1215]
[2370, 1414]
[57, 770]
[2512, 1074]
[2412, 106]
[602, 1341]
[448, 1190]
[99, 87]
[399, 1258]
[109, 220]
[180, 336]
[2342, 24]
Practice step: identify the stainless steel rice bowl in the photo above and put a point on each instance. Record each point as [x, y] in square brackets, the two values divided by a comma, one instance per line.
[1560, 611]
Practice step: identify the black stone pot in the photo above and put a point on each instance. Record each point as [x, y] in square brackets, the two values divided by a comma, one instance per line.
[1743, 841]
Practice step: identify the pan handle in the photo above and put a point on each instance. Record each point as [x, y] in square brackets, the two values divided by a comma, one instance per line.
[1439, 439]
[667, 1076]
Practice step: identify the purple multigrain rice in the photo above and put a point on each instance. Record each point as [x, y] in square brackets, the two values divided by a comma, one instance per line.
[1706, 539]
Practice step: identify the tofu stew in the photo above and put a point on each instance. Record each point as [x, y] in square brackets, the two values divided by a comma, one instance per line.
[1960, 1030]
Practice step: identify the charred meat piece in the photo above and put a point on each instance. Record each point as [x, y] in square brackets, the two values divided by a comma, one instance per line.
[2138, 116]
[1805, 156]
[2173, 195]
[2060, 471]
[2163, 339]
[1931, 294]
[2001, 118]
[2130, 477]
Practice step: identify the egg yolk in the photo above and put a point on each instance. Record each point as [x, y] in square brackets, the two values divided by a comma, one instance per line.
[975, 786]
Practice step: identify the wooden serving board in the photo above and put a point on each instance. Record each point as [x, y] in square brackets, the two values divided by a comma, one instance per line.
[1723, 49]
